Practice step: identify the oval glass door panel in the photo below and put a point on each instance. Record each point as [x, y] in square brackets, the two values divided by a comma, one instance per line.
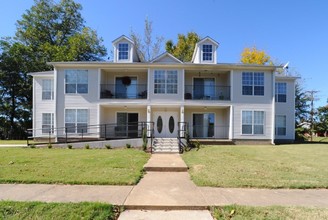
[159, 124]
[171, 124]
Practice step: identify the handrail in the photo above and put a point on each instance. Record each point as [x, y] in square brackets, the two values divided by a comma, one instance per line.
[182, 133]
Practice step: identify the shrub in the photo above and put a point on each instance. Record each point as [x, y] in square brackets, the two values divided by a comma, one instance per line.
[69, 146]
[108, 146]
[144, 139]
[87, 146]
[49, 146]
[128, 145]
[32, 146]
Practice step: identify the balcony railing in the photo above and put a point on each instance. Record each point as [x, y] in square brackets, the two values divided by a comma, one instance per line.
[115, 91]
[195, 92]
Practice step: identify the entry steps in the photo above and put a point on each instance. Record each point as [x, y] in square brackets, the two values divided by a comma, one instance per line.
[166, 145]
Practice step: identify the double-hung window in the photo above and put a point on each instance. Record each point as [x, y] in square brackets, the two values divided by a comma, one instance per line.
[280, 128]
[281, 92]
[76, 120]
[252, 122]
[166, 82]
[47, 123]
[123, 51]
[253, 83]
[207, 52]
[76, 81]
[47, 89]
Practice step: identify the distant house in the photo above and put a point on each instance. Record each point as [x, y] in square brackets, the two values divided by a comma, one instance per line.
[113, 100]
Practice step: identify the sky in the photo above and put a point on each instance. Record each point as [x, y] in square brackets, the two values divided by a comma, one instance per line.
[291, 31]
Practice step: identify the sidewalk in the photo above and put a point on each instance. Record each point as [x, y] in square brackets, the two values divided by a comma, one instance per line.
[170, 188]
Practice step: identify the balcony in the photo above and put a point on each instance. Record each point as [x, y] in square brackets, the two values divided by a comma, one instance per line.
[119, 91]
[207, 92]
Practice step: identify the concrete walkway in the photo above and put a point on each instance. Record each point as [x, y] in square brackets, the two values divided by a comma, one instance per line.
[166, 186]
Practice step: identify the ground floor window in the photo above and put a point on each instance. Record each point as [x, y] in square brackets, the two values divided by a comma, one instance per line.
[127, 124]
[252, 122]
[76, 120]
[280, 128]
[47, 123]
[203, 125]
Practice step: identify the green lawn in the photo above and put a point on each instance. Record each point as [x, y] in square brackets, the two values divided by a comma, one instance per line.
[319, 139]
[281, 166]
[75, 166]
[23, 142]
[40, 210]
[271, 212]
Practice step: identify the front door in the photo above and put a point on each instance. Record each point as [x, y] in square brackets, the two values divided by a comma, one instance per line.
[166, 124]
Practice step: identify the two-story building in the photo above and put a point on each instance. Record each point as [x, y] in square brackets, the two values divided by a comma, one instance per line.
[112, 100]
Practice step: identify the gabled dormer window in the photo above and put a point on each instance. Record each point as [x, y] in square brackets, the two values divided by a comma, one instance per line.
[207, 52]
[123, 51]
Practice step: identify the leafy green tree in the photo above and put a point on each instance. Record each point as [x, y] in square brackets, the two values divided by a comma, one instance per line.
[255, 56]
[48, 31]
[184, 48]
[322, 123]
[147, 46]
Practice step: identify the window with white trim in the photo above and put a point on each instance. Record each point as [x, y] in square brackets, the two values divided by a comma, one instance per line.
[76, 81]
[252, 122]
[47, 89]
[166, 82]
[47, 123]
[207, 52]
[123, 51]
[281, 92]
[280, 125]
[253, 83]
[76, 120]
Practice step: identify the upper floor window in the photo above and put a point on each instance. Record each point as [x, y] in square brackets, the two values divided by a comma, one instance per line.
[281, 92]
[252, 122]
[280, 128]
[253, 83]
[76, 81]
[207, 52]
[166, 81]
[47, 89]
[123, 51]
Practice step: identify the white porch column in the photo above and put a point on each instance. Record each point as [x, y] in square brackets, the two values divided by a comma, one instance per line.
[148, 120]
[231, 123]
[181, 120]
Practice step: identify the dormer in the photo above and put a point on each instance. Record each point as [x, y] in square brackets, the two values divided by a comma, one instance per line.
[125, 50]
[205, 51]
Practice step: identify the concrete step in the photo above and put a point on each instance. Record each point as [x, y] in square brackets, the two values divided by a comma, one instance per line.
[164, 214]
[166, 162]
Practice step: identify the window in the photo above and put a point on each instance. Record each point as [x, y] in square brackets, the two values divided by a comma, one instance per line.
[123, 51]
[76, 81]
[166, 82]
[281, 92]
[47, 89]
[252, 122]
[280, 128]
[207, 52]
[127, 124]
[76, 120]
[253, 83]
[126, 91]
[47, 123]
[203, 125]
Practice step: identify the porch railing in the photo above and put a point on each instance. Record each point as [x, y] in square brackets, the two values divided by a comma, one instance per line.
[208, 92]
[117, 91]
[209, 131]
[182, 134]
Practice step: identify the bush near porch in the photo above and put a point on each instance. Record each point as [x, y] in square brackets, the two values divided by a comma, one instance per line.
[72, 166]
[263, 166]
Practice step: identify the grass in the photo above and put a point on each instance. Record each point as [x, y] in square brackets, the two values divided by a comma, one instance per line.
[23, 142]
[41, 210]
[77, 166]
[319, 139]
[272, 212]
[283, 166]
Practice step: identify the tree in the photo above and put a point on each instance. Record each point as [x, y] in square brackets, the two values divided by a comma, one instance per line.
[147, 47]
[48, 31]
[185, 46]
[255, 56]
[322, 123]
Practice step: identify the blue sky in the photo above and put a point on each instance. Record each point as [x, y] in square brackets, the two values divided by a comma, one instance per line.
[288, 30]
